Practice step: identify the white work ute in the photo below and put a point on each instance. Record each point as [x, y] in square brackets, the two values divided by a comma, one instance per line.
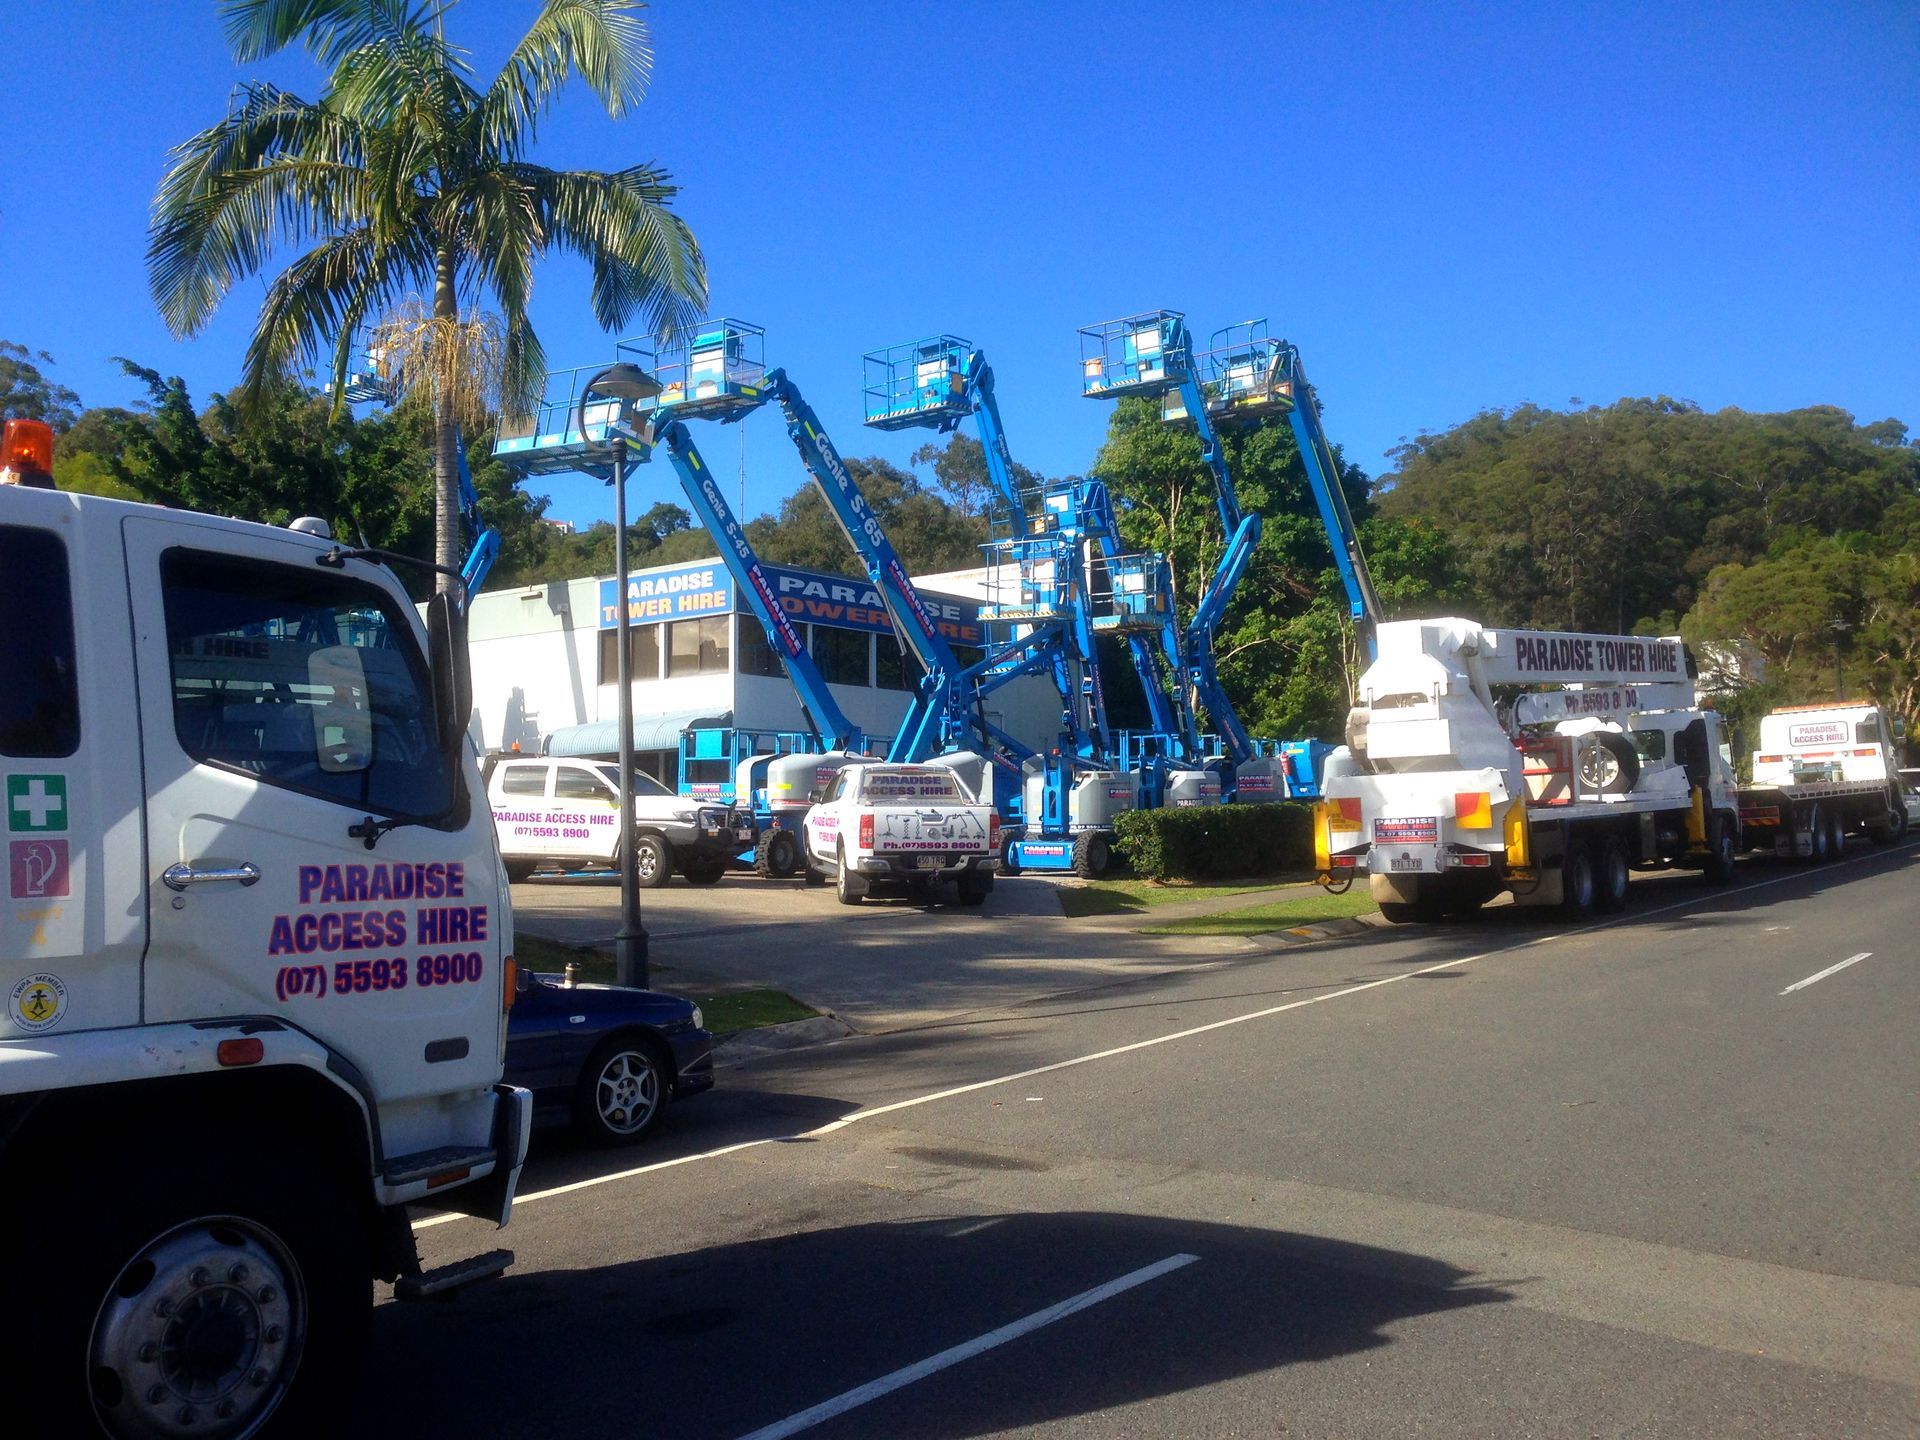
[255, 959]
[901, 827]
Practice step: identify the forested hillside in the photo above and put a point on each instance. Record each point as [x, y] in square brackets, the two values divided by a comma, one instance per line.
[1777, 537]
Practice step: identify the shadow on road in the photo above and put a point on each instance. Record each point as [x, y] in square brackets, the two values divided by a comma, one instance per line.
[722, 1341]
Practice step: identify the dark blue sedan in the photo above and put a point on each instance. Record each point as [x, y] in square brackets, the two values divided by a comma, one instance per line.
[607, 1058]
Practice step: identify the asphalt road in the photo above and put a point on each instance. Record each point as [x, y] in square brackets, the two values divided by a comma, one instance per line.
[1490, 1179]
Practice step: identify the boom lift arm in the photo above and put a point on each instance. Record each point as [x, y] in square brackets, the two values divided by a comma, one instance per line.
[836, 732]
[1323, 477]
[945, 710]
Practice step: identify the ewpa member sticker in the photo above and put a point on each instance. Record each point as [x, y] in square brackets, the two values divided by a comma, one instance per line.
[37, 802]
[38, 1002]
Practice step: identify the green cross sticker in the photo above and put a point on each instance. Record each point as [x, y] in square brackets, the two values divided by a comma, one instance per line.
[37, 803]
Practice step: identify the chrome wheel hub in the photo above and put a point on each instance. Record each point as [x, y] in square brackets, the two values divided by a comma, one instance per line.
[200, 1334]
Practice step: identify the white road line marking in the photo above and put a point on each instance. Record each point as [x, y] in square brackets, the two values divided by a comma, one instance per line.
[1830, 970]
[868, 1114]
[933, 1364]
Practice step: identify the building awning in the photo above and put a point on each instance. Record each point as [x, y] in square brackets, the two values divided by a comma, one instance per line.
[650, 732]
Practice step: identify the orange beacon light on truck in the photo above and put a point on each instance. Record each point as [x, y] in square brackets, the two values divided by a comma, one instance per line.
[26, 454]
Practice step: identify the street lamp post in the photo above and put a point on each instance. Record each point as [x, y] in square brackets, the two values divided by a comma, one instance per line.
[626, 383]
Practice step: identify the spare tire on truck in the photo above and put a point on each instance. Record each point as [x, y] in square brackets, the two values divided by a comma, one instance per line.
[1607, 763]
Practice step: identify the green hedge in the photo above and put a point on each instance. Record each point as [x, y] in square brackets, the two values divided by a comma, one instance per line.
[1217, 842]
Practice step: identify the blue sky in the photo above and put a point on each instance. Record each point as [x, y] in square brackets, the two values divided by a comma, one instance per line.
[1446, 208]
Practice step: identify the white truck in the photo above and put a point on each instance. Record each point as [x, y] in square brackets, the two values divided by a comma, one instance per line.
[1821, 772]
[1542, 763]
[566, 813]
[255, 962]
[901, 826]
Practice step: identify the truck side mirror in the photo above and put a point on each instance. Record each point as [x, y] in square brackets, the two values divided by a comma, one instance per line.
[452, 676]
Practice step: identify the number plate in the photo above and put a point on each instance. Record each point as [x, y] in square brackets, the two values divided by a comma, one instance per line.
[1406, 862]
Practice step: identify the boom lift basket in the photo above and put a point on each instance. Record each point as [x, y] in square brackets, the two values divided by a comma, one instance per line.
[1130, 592]
[1029, 578]
[1134, 356]
[1246, 374]
[918, 384]
[717, 373]
[551, 443]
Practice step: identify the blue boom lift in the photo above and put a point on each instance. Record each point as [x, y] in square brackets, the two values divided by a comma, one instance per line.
[1054, 539]
[1244, 375]
[569, 434]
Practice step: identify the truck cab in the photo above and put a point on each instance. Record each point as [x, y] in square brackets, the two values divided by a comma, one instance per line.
[256, 960]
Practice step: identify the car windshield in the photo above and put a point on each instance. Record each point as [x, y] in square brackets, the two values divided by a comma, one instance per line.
[643, 784]
[937, 785]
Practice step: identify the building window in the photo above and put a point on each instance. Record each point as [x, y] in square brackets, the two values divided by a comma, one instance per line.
[893, 668]
[39, 704]
[698, 647]
[756, 656]
[841, 655]
[643, 644]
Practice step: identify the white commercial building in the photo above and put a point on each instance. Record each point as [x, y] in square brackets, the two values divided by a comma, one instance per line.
[545, 657]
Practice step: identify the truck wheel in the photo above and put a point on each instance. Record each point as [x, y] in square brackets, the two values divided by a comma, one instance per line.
[974, 887]
[623, 1091]
[1720, 848]
[1895, 826]
[812, 874]
[776, 856]
[652, 861]
[1577, 884]
[703, 869]
[1090, 855]
[1610, 877]
[519, 870]
[848, 888]
[1820, 839]
[1608, 763]
[1837, 827]
[216, 1299]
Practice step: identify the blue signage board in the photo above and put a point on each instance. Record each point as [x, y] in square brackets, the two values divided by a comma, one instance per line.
[677, 592]
[680, 592]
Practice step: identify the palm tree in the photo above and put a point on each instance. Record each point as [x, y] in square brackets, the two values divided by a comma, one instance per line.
[405, 186]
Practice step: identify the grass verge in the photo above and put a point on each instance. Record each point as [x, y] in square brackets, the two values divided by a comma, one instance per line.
[1129, 897]
[727, 1012]
[1281, 915]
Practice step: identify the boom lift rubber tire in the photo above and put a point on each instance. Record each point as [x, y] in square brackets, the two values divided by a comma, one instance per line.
[1608, 763]
[1579, 886]
[105, 1254]
[1009, 861]
[1091, 853]
[849, 887]
[652, 861]
[974, 887]
[1720, 849]
[703, 870]
[519, 870]
[776, 855]
[623, 1091]
[1610, 877]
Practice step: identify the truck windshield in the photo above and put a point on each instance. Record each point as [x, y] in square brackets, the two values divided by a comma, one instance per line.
[307, 680]
[643, 783]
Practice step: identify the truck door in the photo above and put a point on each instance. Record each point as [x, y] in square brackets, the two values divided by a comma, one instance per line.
[282, 704]
[587, 810]
[74, 923]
